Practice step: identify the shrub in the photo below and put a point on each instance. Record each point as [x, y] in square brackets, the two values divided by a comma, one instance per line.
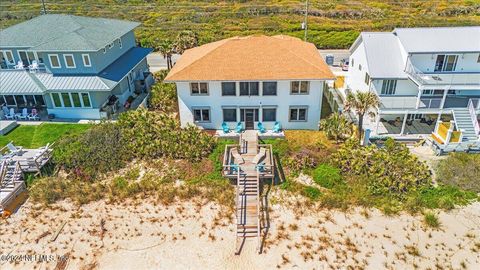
[431, 220]
[48, 190]
[326, 175]
[460, 170]
[163, 98]
[150, 134]
[96, 151]
[336, 127]
[391, 169]
[311, 192]
[301, 161]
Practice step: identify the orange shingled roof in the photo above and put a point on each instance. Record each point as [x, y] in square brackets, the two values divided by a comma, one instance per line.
[251, 58]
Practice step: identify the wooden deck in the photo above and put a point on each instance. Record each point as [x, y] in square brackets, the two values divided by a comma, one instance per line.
[248, 174]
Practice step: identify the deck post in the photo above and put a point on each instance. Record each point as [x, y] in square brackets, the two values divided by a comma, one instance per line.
[404, 123]
[444, 97]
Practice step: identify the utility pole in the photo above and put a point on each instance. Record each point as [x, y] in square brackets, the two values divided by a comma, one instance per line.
[305, 22]
[44, 10]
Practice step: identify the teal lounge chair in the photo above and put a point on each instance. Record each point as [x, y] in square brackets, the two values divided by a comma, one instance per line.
[276, 127]
[239, 127]
[225, 128]
[261, 128]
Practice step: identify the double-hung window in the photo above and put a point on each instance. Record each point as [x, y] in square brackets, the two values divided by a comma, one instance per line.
[229, 115]
[389, 87]
[201, 115]
[298, 114]
[248, 88]
[269, 115]
[229, 89]
[299, 87]
[199, 88]
[269, 88]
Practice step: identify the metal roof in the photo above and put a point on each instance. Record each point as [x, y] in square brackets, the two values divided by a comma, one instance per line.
[384, 55]
[439, 39]
[58, 32]
[13, 82]
[120, 67]
[88, 83]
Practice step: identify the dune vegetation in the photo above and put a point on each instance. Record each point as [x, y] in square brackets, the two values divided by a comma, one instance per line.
[332, 24]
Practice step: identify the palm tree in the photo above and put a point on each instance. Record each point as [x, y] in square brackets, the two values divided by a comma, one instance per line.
[361, 103]
[336, 126]
[166, 48]
[185, 40]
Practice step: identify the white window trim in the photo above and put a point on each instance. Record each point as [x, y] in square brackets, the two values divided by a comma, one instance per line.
[26, 52]
[71, 100]
[276, 88]
[73, 60]
[89, 60]
[58, 60]
[298, 107]
[4, 52]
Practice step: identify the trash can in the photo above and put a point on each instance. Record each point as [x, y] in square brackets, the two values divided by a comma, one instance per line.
[329, 59]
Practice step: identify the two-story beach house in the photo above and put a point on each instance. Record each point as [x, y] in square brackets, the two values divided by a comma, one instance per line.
[422, 76]
[72, 67]
[251, 80]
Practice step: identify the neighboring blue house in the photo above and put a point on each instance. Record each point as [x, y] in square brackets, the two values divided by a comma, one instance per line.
[75, 67]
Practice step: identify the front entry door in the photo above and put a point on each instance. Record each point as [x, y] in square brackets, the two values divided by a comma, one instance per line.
[249, 119]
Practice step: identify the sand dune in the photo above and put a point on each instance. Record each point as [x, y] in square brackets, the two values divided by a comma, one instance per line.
[198, 235]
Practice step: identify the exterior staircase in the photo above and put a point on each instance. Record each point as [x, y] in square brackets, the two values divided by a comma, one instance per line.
[464, 121]
[11, 182]
[248, 205]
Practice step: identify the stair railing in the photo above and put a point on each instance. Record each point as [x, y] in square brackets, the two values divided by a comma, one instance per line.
[473, 116]
[258, 211]
[3, 172]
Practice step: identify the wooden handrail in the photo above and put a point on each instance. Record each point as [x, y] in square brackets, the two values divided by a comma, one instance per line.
[258, 210]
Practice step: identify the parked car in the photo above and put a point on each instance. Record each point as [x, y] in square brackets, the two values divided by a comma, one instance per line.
[344, 64]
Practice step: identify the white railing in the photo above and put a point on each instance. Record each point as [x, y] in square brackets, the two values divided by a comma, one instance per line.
[398, 102]
[473, 115]
[430, 103]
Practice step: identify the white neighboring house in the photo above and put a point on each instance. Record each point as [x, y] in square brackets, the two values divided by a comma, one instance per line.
[249, 80]
[420, 75]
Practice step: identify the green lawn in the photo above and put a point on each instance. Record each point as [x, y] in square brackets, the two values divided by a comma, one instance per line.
[37, 136]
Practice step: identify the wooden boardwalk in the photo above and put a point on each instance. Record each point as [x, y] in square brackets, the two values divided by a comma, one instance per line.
[248, 189]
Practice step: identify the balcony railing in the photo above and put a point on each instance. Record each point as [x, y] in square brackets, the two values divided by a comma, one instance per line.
[398, 102]
[442, 78]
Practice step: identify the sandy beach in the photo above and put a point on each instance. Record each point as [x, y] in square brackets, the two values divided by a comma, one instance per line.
[198, 235]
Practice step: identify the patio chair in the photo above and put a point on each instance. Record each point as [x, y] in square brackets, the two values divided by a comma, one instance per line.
[236, 155]
[261, 128]
[239, 127]
[261, 154]
[260, 166]
[225, 128]
[34, 66]
[23, 115]
[15, 150]
[33, 115]
[10, 115]
[276, 127]
[19, 65]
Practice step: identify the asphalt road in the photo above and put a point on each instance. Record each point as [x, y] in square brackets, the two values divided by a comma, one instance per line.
[157, 62]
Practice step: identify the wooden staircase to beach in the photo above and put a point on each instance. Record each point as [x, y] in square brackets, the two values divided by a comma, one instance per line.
[11, 182]
[248, 205]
